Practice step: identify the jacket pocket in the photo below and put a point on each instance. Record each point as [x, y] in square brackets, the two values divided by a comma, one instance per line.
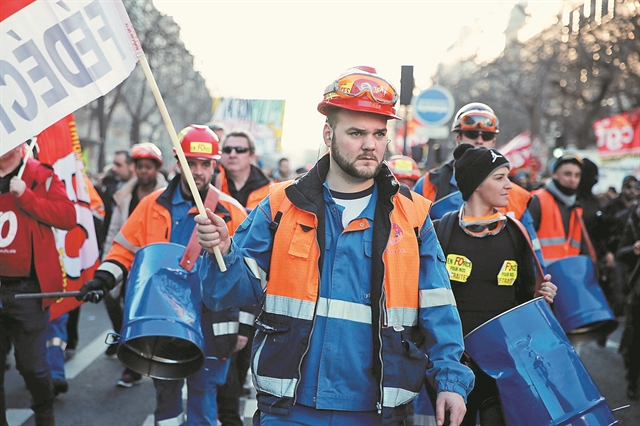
[301, 241]
[270, 349]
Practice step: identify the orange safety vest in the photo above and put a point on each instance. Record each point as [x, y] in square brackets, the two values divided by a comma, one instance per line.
[554, 242]
[294, 261]
[150, 223]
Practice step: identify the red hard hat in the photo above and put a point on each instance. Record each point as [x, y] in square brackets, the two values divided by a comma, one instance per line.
[199, 142]
[476, 116]
[404, 167]
[361, 89]
[146, 150]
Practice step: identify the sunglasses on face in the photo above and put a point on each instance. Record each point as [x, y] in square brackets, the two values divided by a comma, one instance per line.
[238, 149]
[473, 134]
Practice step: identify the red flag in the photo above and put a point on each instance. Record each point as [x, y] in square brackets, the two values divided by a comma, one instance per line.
[618, 136]
[78, 248]
[518, 152]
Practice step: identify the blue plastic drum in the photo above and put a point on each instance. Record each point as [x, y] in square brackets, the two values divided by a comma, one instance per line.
[451, 202]
[580, 304]
[540, 377]
[161, 334]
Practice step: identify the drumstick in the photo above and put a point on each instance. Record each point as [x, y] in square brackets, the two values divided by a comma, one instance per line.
[54, 295]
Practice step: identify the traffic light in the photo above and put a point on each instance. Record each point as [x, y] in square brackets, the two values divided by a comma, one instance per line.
[406, 85]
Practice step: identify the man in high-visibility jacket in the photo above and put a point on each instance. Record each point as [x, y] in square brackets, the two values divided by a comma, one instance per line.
[476, 124]
[357, 309]
[167, 215]
[557, 217]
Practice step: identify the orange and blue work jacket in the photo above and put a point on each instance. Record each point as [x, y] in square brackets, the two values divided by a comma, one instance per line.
[151, 222]
[556, 244]
[352, 319]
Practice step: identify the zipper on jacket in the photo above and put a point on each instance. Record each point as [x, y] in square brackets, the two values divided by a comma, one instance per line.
[306, 350]
[384, 320]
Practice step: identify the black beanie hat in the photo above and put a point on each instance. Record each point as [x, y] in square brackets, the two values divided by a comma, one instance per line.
[474, 165]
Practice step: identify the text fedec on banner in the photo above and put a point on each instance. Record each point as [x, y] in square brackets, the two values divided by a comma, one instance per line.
[619, 135]
[56, 57]
[59, 147]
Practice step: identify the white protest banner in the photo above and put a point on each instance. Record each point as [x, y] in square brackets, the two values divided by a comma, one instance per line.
[56, 57]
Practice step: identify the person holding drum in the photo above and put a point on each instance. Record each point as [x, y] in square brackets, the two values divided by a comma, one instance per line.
[489, 259]
[167, 216]
[357, 309]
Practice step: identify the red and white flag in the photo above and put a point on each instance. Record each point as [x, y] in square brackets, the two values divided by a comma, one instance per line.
[56, 57]
[518, 152]
[618, 136]
[59, 147]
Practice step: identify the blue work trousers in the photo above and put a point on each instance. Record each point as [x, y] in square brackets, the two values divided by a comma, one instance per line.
[202, 388]
[300, 415]
[56, 343]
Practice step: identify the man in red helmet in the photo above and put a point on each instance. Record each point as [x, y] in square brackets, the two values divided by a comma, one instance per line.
[167, 215]
[147, 160]
[357, 309]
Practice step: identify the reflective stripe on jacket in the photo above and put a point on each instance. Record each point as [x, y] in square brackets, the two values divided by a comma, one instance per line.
[555, 243]
[150, 223]
[409, 306]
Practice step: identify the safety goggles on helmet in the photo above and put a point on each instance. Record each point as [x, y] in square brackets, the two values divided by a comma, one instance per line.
[479, 120]
[473, 135]
[479, 227]
[360, 84]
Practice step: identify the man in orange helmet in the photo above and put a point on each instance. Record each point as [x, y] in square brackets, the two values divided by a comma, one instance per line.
[167, 215]
[351, 279]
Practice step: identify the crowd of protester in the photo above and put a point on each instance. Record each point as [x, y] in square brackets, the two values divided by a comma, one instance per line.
[231, 171]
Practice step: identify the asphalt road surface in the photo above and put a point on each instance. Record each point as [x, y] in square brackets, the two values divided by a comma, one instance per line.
[94, 400]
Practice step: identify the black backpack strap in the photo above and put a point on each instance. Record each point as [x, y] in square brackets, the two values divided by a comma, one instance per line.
[444, 228]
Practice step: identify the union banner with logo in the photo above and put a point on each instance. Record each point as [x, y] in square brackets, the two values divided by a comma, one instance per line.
[59, 147]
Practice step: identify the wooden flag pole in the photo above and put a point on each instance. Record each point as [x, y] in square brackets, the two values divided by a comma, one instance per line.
[176, 144]
[27, 155]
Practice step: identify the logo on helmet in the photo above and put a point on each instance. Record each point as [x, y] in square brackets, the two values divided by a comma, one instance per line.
[201, 147]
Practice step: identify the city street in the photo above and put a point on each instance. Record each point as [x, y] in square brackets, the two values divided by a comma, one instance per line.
[93, 399]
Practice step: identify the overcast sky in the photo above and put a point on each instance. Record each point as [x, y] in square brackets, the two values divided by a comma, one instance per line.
[292, 50]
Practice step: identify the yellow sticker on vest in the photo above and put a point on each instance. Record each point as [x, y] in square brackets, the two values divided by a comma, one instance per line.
[459, 267]
[508, 273]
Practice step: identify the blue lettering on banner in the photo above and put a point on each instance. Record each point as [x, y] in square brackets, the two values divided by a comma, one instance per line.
[69, 52]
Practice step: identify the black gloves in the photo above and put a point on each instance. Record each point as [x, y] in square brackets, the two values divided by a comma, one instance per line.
[93, 290]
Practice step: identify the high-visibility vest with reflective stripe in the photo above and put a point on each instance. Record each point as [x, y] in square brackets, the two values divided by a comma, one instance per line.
[292, 294]
[294, 259]
[555, 243]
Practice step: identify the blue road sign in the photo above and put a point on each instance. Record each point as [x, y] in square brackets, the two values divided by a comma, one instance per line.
[433, 106]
